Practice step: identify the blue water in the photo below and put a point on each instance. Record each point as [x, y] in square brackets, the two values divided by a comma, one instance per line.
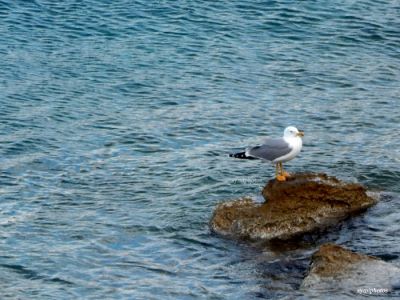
[116, 118]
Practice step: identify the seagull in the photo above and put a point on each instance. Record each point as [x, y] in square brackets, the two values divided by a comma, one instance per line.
[277, 150]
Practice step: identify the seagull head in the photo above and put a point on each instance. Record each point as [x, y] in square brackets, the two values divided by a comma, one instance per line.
[292, 131]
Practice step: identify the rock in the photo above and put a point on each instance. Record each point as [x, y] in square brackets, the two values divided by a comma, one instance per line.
[334, 267]
[302, 204]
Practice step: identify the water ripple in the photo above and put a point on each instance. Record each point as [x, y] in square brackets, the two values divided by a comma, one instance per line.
[115, 123]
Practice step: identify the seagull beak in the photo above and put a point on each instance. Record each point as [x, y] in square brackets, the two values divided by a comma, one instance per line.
[300, 133]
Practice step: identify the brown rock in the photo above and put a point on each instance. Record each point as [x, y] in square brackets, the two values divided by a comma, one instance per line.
[334, 267]
[302, 204]
[333, 260]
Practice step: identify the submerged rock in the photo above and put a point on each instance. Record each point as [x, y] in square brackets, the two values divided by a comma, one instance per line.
[302, 204]
[334, 267]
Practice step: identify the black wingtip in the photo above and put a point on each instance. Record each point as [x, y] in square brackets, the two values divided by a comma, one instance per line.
[241, 155]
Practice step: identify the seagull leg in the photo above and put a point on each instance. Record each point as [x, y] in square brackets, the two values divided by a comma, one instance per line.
[283, 172]
[279, 175]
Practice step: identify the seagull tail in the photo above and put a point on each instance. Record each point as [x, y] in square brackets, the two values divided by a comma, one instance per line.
[241, 155]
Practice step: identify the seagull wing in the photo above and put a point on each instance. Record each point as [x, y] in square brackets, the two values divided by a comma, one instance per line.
[271, 149]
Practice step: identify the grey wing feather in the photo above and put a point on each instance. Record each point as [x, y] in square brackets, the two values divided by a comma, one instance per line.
[270, 150]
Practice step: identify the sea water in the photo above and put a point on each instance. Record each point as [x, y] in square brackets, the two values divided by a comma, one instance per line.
[117, 118]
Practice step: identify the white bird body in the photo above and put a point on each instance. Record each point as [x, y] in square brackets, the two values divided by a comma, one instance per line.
[296, 144]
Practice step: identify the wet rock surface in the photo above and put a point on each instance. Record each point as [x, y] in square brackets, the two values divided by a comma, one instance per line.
[302, 204]
[334, 267]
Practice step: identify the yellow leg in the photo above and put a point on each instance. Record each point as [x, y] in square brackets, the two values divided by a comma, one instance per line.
[283, 172]
[279, 175]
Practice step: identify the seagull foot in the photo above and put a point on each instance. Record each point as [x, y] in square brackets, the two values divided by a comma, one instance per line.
[281, 178]
[286, 174]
